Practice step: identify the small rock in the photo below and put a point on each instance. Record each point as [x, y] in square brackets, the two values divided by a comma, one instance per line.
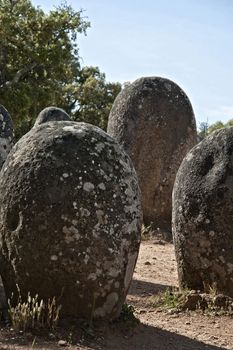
[52, 336]
[62, 343]
[51, 114]
[214, 337]
[172, 311]
[147, 263]
[221, 300]
[158, 241]
[143, 311]
[194, 301]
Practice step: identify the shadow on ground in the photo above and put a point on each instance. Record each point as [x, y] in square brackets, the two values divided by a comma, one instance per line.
[144, 288]
[141, 337]
[145, 337]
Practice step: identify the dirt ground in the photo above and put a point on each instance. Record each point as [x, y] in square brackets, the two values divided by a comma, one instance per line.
[158, 329]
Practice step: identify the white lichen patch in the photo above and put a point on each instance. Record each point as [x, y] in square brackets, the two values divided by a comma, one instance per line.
[108, 306]
[101, 217]
[99, 146]
[79, 131]
[130, 227]
[70, 128]
[211, 233]
[230, 267]
[102, 186]
[53, 257]
[84, 212]
[71, 234]
[5, 147]
[168, 86]
[88, 186]
[86, 259]
[221, 258]
[189, 157]
[92, 277]
[114, 272]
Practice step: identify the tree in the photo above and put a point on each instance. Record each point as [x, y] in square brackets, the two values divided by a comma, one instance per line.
[217, 125]
[229, 123]
[40, 64]
[203, 130]
[94, 96]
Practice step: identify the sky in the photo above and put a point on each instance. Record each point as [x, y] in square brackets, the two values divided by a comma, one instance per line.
[187, 41]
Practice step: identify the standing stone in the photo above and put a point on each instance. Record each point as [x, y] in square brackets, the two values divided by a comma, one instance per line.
[153, 119]
[203, 215]
[50, 114]
[6, 134]
[70, 219]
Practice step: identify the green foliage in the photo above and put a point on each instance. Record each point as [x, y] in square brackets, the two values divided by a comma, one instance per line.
[167, 299]
[216, 126]
[94, 97]
[205, 129]
[127, 317]
[34, 313]
[40, 65]
[171, 300]
[229, 123]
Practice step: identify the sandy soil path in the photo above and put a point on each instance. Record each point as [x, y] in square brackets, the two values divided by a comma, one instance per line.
[158, 329]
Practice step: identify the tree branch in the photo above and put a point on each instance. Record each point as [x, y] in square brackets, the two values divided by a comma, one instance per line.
[19, 75]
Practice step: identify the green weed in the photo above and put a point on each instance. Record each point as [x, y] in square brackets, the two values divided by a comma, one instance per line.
[127, 316]
[167, 299]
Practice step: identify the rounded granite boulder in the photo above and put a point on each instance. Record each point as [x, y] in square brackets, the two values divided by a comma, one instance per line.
[153, 120]
[50, 114]
[6, 134]
[203, 215]
[70, 219]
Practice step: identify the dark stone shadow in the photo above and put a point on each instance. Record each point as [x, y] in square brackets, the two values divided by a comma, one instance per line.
[144, 288]
[113, 337]
[145, 337]
[117, 336]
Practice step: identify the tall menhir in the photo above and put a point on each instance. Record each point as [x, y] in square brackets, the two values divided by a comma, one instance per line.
[153, 120]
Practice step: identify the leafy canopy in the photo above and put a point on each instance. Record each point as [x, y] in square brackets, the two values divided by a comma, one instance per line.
[40, 65]
[206, 129]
